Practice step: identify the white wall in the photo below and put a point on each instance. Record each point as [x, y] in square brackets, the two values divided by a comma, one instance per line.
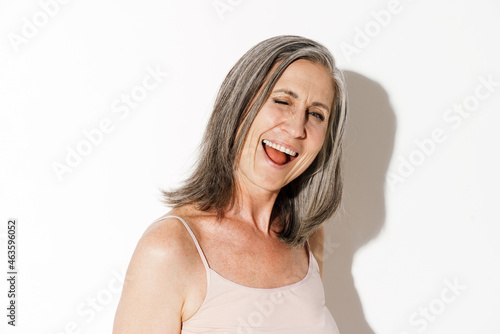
[416, 219]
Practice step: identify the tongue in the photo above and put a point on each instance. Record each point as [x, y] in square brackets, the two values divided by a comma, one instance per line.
[278, 157]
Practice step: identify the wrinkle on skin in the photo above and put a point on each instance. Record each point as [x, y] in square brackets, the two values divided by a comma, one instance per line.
[259, 182]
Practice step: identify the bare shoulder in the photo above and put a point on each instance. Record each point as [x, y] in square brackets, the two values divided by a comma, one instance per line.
[317, 239]
[162, 275]
[317, 245]
[166, 238]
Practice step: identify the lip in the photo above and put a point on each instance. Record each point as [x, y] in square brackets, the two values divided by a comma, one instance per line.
[271, 162]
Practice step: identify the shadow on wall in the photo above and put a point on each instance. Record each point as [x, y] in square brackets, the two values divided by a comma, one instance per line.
[368, 149]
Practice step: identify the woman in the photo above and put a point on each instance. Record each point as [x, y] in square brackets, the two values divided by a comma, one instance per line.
[241, 250]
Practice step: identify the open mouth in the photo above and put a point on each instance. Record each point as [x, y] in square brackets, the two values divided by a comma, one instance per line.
[278, 154]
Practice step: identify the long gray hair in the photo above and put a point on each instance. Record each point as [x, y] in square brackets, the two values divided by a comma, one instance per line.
[306, 202]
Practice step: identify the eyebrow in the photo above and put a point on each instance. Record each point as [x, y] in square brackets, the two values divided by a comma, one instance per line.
[295, 96]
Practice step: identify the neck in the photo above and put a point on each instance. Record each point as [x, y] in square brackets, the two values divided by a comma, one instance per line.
[253, 205]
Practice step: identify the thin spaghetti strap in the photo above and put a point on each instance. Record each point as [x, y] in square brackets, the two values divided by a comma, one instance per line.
[308, 247]
[200, 251]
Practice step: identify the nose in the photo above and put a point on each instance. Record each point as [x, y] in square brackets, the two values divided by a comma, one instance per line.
[295, 124]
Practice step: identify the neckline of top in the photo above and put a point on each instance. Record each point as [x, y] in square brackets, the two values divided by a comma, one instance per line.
[276, 289]
[209, 269]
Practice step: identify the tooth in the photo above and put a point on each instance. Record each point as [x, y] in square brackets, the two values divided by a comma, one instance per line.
[280, 148]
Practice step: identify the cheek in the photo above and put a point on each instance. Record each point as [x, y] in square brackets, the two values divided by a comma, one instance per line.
[317, 136]
[264, 121]
[255, 133]
[269, 113]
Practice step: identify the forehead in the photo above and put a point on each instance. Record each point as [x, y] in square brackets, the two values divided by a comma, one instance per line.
[309, 80]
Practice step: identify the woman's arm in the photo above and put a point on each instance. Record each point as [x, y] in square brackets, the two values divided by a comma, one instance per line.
[317, 244]
[152, 295]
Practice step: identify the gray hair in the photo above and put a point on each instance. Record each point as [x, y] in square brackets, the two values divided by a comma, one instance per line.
[306, 202]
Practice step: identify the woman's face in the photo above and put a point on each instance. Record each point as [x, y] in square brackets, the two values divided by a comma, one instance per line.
[294, 116]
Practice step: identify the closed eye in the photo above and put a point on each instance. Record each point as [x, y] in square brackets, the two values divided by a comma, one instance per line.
[281, 102]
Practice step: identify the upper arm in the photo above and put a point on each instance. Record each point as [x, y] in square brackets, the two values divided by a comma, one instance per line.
[317, 244]
[153, 293]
